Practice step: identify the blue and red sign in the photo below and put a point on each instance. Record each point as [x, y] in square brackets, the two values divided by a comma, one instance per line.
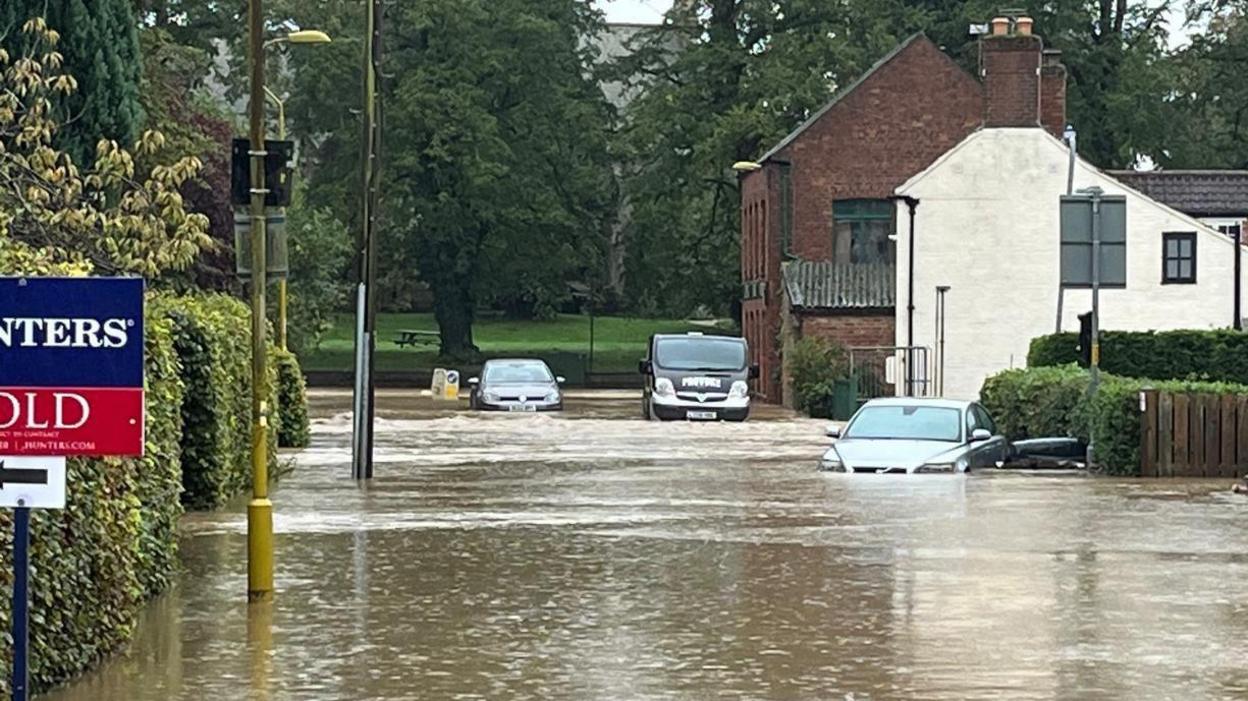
[71, 366]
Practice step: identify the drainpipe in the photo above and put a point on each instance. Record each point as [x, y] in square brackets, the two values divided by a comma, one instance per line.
[1239, 254]
[912, 203]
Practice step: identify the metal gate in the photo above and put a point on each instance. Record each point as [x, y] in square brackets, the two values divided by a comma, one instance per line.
[890, 371]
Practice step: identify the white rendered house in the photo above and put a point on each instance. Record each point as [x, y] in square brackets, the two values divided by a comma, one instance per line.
[987, 226]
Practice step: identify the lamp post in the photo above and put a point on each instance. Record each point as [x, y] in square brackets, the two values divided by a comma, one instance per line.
[260, 508]
[306, 36]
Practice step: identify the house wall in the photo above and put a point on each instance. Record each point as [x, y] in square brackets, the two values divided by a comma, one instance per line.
[987, 225]
[897, 121]
[760, 277]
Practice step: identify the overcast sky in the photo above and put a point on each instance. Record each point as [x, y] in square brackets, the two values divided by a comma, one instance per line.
[651, 11]
[647, 11]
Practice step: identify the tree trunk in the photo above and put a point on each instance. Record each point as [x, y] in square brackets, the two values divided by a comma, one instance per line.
[454, 310]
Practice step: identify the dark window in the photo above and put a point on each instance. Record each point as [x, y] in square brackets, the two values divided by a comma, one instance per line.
[1231, 230]
[862, 231]
[1178, 258]
[983, 419]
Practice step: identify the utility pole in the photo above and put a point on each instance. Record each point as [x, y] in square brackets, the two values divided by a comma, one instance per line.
[366, 327]
[260, 509]
[1094, 365]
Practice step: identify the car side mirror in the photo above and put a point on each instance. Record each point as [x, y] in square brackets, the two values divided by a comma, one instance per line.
[560, 380]
[754, 372]
[645, 367]
[980, 434]
[474, 381]
[833, 431]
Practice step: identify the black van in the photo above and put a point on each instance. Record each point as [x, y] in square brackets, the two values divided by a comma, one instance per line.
[697, 377]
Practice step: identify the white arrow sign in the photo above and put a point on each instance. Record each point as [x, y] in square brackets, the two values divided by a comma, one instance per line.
[35, 483]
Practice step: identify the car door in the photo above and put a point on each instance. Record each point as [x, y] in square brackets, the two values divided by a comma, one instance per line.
[986, 453]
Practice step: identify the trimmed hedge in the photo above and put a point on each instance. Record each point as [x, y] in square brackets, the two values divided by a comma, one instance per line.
[212, 336]
[1214, 355]
[113, 546]
[292, 401]
[1053, 401]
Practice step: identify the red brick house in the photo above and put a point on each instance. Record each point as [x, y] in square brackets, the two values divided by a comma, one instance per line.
[817, 216]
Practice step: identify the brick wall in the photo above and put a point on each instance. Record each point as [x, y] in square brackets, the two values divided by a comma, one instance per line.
[891, 126]
[760, 260]
[1053, 93]
[857, 329]
[1011, 67]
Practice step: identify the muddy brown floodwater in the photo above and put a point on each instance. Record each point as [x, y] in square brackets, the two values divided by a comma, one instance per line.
[595, 556]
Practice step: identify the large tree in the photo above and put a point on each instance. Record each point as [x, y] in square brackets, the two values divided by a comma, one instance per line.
[100, 44]
[496, 165]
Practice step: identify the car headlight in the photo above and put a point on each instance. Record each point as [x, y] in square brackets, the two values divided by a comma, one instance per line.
[490, 396]
[664, 387]
[831, 462]
[935, 468]
[740, 390]
[552, 397]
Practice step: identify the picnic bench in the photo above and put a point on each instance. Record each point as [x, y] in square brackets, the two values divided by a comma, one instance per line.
[413, 337]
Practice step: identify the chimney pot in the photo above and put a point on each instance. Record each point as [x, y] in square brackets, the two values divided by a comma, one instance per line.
[1000, 26]
[1023, 26]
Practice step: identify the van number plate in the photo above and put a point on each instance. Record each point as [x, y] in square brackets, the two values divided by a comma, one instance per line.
[701, 416]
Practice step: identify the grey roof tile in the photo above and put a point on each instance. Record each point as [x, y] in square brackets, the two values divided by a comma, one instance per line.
[1196, 193]
[825, 285]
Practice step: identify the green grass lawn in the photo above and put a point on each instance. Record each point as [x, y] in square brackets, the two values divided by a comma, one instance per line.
[618, 342]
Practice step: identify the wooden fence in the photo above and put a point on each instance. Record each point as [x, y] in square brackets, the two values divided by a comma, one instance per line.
[1193, 435]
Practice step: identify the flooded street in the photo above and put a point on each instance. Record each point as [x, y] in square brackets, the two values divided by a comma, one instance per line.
[594, 556]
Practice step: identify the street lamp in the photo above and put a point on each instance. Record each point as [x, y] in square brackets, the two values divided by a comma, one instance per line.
[746, 166]
[260, 508]
[304, 36]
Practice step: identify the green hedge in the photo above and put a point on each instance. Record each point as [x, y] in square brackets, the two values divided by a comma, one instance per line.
[112, 547]
[292, 402]
[212, 336]
[1053, 401]
[1216, 355]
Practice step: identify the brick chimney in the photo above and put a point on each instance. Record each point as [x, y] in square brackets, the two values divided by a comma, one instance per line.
[1024, 85]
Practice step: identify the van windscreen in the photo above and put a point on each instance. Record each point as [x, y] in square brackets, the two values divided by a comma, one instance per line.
[705, 353]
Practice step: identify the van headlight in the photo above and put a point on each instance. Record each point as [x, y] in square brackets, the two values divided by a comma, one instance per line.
[740, 390]
[664, 387]
[935, 468]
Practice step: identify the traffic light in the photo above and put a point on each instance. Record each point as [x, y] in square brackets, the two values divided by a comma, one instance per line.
[1085, 339]
[277, 172]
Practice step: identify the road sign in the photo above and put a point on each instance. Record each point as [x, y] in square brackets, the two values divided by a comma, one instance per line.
[35, 483]
[71, 366]
[1077, 224]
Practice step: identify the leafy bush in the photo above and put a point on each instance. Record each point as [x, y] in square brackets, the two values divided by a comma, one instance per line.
[815, 365]
[1214, 355]
[213, 341]
[1035, 402]
[292, 402]
[1042, 402]
[1054, 349]
[112, 547]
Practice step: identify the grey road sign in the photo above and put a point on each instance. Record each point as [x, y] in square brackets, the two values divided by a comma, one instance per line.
[1077, 233]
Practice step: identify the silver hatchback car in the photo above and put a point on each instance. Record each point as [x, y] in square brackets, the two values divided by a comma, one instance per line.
[520, 384]
[916, 436]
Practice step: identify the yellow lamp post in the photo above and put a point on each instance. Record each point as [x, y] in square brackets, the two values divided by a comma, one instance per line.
[260, 508]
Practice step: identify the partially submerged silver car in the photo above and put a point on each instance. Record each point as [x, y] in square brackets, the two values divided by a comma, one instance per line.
[519, 384]
[916, 436]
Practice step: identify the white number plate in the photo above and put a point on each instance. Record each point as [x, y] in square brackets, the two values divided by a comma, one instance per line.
[701, 416]
[521, 407]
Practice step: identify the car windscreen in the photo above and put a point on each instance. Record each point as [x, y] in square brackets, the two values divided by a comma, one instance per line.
[517, 373]
[704, 353]
[912, 422]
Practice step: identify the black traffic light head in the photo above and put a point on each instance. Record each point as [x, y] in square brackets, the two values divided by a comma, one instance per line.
[1085, 339]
